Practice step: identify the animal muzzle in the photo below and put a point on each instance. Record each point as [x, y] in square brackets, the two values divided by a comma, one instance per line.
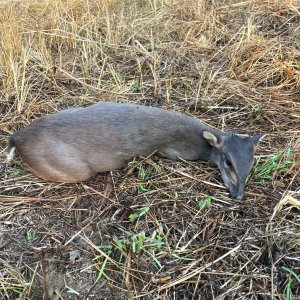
[238, 193]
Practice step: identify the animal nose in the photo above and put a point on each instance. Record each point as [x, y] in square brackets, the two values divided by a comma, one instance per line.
[239, 197]
[238, 193]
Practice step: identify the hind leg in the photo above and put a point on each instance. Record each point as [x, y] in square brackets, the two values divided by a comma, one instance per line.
[54, 160]
[59, 172]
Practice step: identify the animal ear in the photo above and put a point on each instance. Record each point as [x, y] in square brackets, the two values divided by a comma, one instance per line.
[212, 139]
[257, 138]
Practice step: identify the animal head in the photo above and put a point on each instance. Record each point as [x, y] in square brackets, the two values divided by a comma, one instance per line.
[234, 155]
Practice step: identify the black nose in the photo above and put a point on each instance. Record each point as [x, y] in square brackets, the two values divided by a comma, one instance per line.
[237, 197]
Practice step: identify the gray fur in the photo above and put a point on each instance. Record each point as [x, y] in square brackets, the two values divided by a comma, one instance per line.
[74, 144]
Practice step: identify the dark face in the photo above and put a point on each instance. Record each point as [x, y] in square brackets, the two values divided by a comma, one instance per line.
[234, 155]
[235, 162]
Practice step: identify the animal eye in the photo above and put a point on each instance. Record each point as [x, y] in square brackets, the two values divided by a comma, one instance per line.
[228, 162]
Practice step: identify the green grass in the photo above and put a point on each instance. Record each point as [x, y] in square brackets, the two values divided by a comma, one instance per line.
[134, 87]
[70, 290]
[145, 169]
[141, 211]
[279, 163]
[287, 292]
[139, 244]
[206, 202]
[142, 174]
[4, 139]
[30, 236]
[15, 171]
[102, 267]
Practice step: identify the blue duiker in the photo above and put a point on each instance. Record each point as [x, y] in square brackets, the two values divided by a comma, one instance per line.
[74, 144]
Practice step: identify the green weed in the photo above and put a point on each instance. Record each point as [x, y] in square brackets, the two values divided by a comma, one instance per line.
[137, 215]
[287, 291]
[4, 139]
[70, 290]
[139, 244]
[142, 187]
[14, 171]
[257, 107]
[204, 202]
[102, 267]
[182, 258]
[30, 236]
[134, 87]
[278, 163]
[144, 171]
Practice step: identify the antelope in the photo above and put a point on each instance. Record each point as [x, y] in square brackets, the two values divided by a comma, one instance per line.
[74, 144]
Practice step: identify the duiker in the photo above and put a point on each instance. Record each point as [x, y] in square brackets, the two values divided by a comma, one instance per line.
[74, 144]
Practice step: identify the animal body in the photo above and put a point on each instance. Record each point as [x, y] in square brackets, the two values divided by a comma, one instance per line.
[74, 144]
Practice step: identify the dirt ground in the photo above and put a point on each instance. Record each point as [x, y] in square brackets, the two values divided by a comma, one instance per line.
[155, 229]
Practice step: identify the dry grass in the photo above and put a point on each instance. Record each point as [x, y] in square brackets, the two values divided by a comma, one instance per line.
[235, 65]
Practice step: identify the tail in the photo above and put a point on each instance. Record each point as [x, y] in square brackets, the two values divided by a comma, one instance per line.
[11, 150]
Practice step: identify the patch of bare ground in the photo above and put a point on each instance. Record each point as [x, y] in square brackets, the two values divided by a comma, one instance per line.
[155, 229]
